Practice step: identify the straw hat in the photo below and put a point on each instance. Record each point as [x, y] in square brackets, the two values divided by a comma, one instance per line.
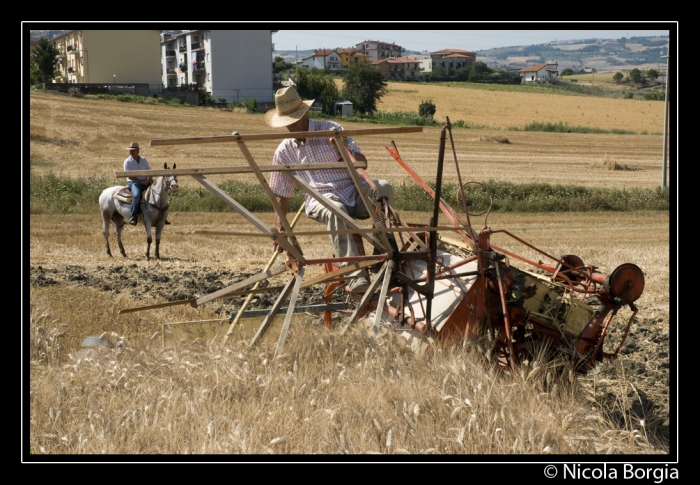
[289, 108]
[134, 146]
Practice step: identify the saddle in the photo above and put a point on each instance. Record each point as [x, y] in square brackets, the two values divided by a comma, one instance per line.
[124, 194]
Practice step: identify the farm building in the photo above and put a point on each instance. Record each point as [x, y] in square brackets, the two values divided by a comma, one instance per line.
[540, 73]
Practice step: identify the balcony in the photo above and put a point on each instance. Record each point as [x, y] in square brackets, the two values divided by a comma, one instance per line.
[171, 72]
[182, 48]
[170, 53]
[70, 70]
[69, 48]
[196, 46]
[199, 66]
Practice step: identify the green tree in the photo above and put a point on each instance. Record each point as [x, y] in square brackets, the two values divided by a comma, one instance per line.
[439, 73]
[652, 73]
[280, 65]
[462, 74]
[479, 71]
[45, 57]
[567, 72]
[636, 75]
[364, 85]
[316, 85]
[617, 77]
[35, 76]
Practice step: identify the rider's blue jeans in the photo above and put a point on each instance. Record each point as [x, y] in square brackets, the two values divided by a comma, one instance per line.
[136, 191]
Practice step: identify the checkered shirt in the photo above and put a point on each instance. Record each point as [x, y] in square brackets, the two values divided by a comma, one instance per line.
[314, 150]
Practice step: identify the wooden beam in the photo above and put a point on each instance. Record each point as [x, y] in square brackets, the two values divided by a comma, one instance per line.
[290, 311]
[276, 252]
[382, 299]
[358, 185]
[157, 305]
[249, 216]
[281, 136]
[227, 170]
[365, 298]
[268, 191]
[359, 230]
[273, 311]
[241, 284]
[349, 221]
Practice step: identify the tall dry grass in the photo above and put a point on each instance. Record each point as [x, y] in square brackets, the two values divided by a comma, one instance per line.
[326, 393]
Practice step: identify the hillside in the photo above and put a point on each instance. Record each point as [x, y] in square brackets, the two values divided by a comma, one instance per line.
[601, 54]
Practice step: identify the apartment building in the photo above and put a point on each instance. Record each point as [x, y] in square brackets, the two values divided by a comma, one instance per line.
[452, 59]
[230, 64]
[351, 57]
[109, 56]
[377, 50]
[399, 68]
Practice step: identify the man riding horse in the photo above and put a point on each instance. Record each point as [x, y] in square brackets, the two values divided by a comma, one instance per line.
[137, 184]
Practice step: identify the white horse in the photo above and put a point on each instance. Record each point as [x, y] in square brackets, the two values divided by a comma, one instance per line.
[154, 211]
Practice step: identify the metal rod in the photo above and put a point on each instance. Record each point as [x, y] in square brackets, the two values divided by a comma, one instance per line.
[429, 279]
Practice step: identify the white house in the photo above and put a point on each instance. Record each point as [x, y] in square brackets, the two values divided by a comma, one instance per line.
[540, 73]
[230, 64]
[322, 59]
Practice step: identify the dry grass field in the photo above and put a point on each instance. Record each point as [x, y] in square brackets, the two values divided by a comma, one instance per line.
[79, 137]
[326, 393]
[501, 110]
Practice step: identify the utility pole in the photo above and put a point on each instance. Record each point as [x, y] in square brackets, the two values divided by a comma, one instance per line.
[663, 166]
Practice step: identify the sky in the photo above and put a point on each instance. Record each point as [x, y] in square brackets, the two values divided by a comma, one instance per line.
[432, 40]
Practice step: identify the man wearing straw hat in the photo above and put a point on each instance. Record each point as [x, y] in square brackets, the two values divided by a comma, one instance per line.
[335, 184]
[137, 184]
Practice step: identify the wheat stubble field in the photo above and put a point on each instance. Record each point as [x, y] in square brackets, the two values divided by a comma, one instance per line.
[326, 394]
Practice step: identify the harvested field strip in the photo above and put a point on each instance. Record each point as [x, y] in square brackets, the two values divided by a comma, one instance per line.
[97, 133]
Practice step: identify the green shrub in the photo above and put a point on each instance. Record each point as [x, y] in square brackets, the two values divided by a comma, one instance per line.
[427, 109]
[251, 105]
[654, 95]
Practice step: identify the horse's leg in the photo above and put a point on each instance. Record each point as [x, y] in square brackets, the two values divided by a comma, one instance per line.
[105, 232]
[159, 231]
[149, 239]
[118, 225]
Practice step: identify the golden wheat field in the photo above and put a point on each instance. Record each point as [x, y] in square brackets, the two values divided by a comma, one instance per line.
[79, 137]
[326, 394]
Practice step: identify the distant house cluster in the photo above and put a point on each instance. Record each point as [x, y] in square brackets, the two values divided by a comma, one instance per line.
[388, 58]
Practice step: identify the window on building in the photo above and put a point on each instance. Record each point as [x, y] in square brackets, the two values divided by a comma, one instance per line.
[208, 76]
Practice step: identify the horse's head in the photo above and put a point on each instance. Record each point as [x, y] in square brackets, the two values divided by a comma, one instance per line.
[171, 180]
